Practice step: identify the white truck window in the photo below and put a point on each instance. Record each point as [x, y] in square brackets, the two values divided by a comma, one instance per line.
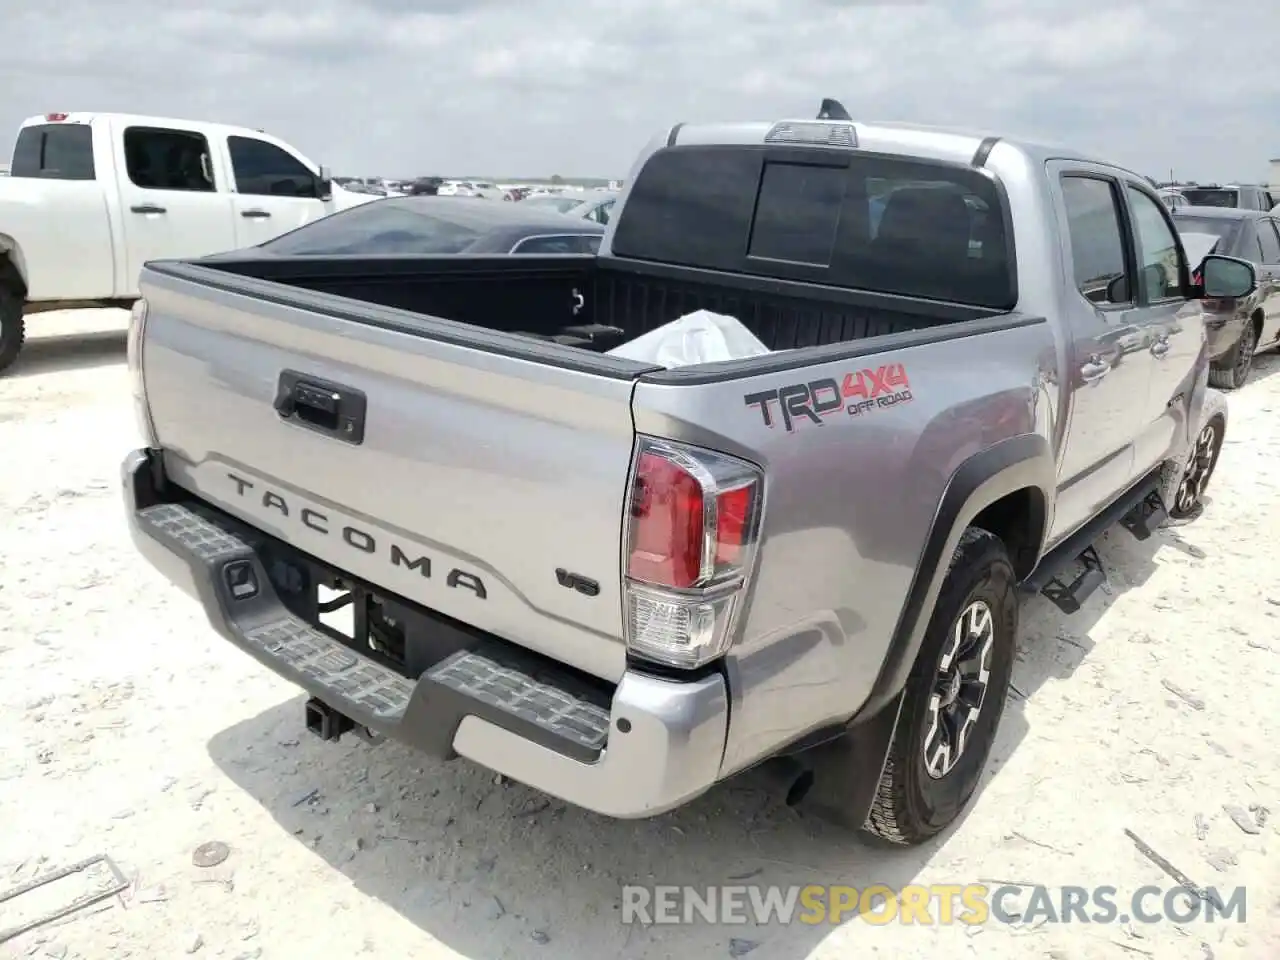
[54, 151]
[263, 169]
[158, 159]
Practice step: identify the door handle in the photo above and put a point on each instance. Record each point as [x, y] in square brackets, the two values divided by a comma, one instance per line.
[323, 406]
[255, 214]
[1094, 370]
[147, 208]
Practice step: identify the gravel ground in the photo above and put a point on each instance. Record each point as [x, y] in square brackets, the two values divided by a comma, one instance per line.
[129, 729]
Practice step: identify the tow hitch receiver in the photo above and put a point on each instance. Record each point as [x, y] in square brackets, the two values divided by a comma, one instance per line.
[326, 722]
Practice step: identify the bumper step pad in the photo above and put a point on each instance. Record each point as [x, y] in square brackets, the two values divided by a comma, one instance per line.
[501, 685]
[475, 675]
[337, 674]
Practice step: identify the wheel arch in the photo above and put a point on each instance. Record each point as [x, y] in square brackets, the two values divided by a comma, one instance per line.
[1006, 490]
[11, 275]
[12, 266]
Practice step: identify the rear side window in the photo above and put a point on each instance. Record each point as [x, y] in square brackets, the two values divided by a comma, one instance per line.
[876, 223]
[1097, 243]
[54, 151]
[161, 159]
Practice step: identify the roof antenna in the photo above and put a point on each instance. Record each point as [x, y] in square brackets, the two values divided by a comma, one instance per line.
[833, 110]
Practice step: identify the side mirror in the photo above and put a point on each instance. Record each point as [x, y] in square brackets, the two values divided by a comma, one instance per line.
[324, 184]
[1118, 290]
[1226, 278]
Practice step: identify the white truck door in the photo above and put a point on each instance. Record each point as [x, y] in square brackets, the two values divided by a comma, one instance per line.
[171, 199]
[275, 192]
[54, 206]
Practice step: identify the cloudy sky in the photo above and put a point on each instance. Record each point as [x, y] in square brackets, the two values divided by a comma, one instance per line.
[576, 87]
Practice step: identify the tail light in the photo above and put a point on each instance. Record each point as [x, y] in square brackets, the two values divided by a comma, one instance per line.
[133, 353]
[690, 540]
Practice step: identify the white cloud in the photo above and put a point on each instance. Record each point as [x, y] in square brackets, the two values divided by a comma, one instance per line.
[544, 86]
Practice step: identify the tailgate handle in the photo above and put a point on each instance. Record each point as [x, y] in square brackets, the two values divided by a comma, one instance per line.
[322, 406]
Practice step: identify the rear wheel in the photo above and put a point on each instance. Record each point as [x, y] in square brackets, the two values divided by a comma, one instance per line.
[12, 327]
[1239, 361]
[954, 696]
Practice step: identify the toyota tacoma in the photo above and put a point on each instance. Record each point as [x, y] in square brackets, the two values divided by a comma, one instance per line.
[425, 491]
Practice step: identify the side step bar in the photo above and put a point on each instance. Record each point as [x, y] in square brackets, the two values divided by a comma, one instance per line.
[1140, 510]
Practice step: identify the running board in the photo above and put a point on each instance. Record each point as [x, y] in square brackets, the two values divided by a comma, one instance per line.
[1069, 596]
[1147, 517]
[1140, 510]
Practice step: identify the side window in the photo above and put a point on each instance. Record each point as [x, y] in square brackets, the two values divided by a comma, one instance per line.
[263, 169]
[565, 244]
[157, 159]
[1270, 241]
[54, 152]
[1097, 243]
[1160, 267]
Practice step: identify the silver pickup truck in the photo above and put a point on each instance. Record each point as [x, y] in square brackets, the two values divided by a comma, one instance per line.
[620, 583]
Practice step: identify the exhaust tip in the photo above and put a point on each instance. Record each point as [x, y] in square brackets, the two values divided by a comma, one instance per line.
[800, 788]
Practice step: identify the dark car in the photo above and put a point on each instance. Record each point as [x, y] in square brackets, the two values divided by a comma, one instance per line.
[424, 187]
[1237, 329]
[403, 226]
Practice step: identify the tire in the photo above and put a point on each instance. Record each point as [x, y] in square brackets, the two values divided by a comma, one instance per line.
[1239, 362]
[13, 328]
[912, 803]
[1186, 479]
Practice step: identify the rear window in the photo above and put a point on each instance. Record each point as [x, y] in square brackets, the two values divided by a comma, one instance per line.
[885, 224]
[560, 204]
[54, 151]
[381, 227]
[1220, 227]
[1205, 197]
[570, 243]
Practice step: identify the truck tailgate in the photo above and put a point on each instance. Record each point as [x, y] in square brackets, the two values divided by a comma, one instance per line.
[478, 476]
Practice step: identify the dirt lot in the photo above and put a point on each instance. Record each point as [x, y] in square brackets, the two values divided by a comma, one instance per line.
[129, 729]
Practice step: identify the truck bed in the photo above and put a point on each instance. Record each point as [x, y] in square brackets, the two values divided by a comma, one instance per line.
[437, 454]
[620, 299]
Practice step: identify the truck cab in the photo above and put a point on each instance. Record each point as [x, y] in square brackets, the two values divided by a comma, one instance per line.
[92, 197]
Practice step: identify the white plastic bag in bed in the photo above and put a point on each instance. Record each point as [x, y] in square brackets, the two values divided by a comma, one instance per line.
[699, 337]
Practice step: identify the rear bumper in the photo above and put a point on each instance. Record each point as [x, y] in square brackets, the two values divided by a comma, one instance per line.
[657, 744]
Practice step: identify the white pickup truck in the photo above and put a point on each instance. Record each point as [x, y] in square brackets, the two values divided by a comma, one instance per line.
[90, 198]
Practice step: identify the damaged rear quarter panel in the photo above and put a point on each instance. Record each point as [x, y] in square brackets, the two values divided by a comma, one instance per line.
[851, 490]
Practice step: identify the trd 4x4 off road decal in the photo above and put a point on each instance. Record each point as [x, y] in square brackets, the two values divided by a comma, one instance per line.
[858, 393]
